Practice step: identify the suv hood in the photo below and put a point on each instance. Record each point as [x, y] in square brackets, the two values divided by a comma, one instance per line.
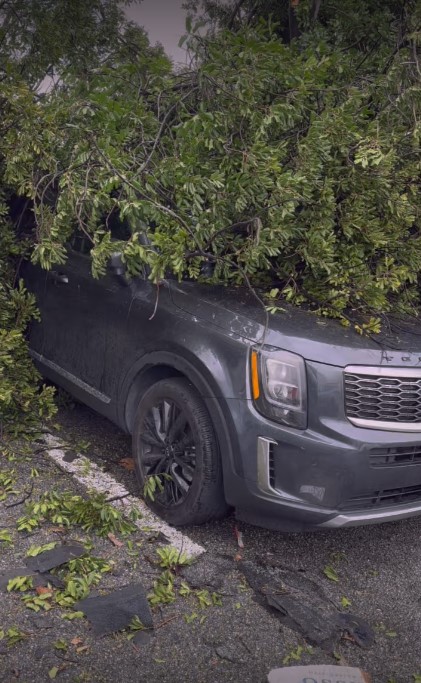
[237, 312]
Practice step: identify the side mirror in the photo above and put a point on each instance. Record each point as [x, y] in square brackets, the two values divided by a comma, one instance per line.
[118, 268]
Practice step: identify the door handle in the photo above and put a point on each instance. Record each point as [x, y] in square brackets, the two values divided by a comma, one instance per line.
[59, 278]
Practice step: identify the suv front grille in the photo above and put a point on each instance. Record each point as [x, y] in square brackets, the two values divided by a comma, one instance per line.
[386, 498]
[389, 398]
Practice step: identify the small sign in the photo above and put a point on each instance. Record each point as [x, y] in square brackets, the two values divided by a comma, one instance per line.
[318, 674]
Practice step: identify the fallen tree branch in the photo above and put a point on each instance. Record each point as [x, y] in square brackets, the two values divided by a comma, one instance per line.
[234, 14]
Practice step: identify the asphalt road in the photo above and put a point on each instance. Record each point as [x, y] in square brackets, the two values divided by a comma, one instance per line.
[378, 570]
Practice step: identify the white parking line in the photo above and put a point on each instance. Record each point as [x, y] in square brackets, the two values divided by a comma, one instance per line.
[93, 478]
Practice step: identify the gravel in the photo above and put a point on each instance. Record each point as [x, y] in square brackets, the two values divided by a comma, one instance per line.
[378, 570]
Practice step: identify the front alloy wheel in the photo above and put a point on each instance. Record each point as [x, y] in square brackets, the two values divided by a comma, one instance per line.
[174, 440]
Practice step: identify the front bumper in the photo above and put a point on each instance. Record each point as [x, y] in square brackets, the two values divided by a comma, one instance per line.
[261, 503]
[365, 518]
[266, 449]
[333, 474]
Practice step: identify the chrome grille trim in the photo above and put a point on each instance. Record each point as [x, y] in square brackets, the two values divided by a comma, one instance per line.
[383, 398]
[381, 371]
[265, 464]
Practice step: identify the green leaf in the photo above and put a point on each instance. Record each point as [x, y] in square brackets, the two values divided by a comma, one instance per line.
[330, 573]
[20, 583]
[188, 618]
[70, 616]
[5, 537]
[136, 624]
[53, 672]
[294, 655]
[37, 550]
[61, 644]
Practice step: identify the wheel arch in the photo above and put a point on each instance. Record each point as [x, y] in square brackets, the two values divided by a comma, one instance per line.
[163, 365]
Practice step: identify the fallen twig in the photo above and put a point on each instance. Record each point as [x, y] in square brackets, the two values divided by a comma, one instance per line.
[26, 496]
[164, 623]
[111, 500]
[66, 659]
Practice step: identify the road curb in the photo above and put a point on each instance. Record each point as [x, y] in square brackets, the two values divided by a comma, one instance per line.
[93, 478]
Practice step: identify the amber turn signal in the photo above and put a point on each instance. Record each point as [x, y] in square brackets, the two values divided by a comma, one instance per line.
[255, 375]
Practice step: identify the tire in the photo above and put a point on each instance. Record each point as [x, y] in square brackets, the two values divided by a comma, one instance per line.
[173, 437]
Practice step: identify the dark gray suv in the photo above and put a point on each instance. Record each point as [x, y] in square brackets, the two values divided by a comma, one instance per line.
[303, 424]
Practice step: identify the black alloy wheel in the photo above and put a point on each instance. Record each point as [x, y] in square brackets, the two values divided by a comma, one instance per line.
[174, 439]
[168, 449]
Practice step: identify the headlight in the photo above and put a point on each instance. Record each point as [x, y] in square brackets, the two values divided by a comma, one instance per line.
[279, 388]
